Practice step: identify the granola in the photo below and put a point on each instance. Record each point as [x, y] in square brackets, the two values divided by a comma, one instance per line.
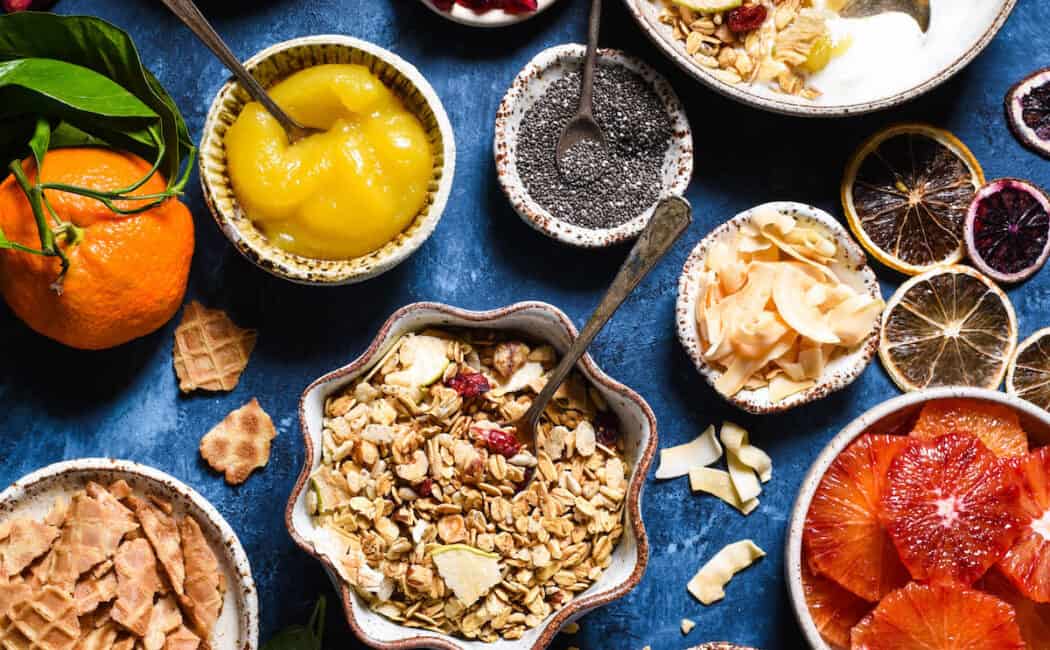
[791, 42]
[419, 459]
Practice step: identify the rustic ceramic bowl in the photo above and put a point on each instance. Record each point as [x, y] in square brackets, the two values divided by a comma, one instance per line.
[884, 418]
[541, 322]
[530, 84]
[646, 13]
[851, 267]
[274, 64]
[33, 495]
[493, 18]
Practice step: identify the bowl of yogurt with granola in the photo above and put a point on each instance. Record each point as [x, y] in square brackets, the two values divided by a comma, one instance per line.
[802, 57]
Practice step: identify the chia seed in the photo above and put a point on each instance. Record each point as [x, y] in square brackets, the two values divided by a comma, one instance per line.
[597, 187]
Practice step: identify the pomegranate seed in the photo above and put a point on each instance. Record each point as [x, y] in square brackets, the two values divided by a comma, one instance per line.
[469, 384]
[746, 18]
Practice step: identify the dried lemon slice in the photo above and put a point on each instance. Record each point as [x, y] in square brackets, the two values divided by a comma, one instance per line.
[906, 193]
[1029, 374]
[948, 327]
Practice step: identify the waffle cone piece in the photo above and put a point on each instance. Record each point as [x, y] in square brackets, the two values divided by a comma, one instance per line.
[211, 352]
[166, 618]
[137, 584]
[162, 531]
[99, 638]
[239, 444]
[94, 590]
[13, 590]
[182, 639]
[26, 541]
[205, 583]
[48, 620]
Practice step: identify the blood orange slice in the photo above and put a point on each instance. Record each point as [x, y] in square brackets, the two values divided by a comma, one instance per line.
[950, 507]
[996, 425]
[843, 537]
[834, 610]
[931, 617]
[1027, 564]
[1032, 618]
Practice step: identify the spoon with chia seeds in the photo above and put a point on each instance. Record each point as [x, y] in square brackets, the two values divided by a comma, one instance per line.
[582, 138]
[670, 219]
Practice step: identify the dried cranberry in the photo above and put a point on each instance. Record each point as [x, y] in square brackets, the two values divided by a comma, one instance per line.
[746, 18]
[501, 442]
[529, 473]
[469, 384]
[443, 5]
[426, 488]
[519, 6]
[478, 6]
[607, 429]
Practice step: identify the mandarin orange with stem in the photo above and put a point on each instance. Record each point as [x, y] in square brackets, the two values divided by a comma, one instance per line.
[127, 273]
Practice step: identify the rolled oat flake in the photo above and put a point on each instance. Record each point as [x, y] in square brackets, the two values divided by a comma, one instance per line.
[596, 187]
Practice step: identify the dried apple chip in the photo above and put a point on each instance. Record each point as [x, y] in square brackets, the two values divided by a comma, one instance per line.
[708, 585]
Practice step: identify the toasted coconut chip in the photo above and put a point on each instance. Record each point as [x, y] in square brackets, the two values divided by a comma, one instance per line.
[239, 444]
[735, 438]
[677, 461]
[162, 531]
[137, 584]
[708, 585]
[717, 482]
[26, 541]
[204, 580]
[687, 626]
[210, 351]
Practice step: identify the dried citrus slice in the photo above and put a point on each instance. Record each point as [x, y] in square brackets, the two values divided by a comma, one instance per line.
[843, 536]
[948, 327]
[1029, 375]
[906, 193]
[950, 507]
[1032, 618]
[996, 425]
[834, 610]
[929, 617]
[1027, 564]
[1007, 230]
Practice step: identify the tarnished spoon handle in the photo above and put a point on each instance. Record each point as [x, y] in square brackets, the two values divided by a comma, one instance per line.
[587, 87]
[669, 221]
[917, 9]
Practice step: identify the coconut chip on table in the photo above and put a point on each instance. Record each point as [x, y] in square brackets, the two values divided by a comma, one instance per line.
[211, 351]
[240, 444]
[100, 585]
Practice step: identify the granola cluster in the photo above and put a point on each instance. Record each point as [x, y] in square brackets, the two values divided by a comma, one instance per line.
[791, 41]
[417, 464]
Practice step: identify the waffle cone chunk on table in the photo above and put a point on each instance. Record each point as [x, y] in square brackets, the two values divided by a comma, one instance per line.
[210, 352]
[240, 444]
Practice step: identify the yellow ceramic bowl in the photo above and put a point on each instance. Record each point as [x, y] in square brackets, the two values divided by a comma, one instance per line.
[274, 64]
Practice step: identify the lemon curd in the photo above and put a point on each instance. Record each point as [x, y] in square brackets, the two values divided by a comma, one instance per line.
[337, 194]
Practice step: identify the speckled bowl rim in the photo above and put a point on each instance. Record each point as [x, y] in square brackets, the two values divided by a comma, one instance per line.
[493, 18]
[577, 606]
[237, 558]
[268, 257]
[688, 292]
[505, 148]
[745, 96]
[793, 546]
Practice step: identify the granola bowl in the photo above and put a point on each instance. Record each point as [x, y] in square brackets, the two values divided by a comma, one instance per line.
[31, 496]
[888, 417]
[849, 265]
[522, 581]
[274, 64]
[883, 61]
[530, 84]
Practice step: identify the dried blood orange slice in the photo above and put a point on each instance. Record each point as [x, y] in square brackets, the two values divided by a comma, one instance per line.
[843, 537]
[834, 610]
[906, 192]
[931, 617]
[1027, 564]
[1032, 618]
[948, 327]
[1028, 111]
[1029, 373]
[950, 507]
[996, 425]
[1007, 230]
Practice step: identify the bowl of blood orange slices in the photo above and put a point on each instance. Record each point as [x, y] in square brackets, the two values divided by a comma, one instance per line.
[925, 524]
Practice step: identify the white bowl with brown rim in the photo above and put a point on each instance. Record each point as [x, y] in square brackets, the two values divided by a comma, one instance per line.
[271, 66]
[956, 57]
[850, 266]
[33, 495]
[540, 322]
[544, 69]
[887, 417]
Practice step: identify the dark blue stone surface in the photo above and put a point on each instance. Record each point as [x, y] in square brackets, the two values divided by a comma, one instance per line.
[62, 404]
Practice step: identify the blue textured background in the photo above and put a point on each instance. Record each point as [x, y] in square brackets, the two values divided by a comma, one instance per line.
[61, 404]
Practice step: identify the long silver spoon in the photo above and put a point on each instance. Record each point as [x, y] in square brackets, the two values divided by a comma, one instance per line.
[670, 219]
[917, 9]
[583, 127]
[190, 15]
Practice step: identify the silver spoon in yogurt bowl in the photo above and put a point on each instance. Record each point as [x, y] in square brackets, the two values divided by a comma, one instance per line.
[190, 15]
[917, 9]
[670, 219]
[583, 130]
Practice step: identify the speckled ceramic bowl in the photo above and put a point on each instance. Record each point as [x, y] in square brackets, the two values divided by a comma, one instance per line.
[541, 322]
[493, 18]
[274, 64]
[851, 267]
[884, 418]
[33, 495]
[530, 84]
[646, 13]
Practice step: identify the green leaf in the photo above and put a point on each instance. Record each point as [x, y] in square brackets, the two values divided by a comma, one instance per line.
[73, 87]
[40, 142]
[297, 637]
